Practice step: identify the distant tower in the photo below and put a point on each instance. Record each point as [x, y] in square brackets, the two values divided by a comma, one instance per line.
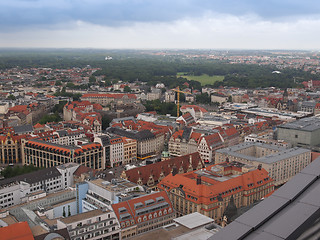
[285, 96]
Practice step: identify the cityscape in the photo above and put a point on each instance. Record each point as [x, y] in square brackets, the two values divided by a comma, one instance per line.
[133, 121]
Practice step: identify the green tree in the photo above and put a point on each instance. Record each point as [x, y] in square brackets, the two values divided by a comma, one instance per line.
[58, 83]
[92, 79]
[11, 97]
[127, 89]
[203, 98]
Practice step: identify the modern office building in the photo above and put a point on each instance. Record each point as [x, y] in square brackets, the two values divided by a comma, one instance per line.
[46, 154]
[281, 163]
[304, 132]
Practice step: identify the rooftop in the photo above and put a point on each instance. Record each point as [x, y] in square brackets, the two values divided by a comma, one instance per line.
[281, 152]
[305, 124]
[83, 216]
[277, 216]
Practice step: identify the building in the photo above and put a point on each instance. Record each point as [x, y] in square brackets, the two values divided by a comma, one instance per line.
[96, 224]
[169, 96]
[143, 214]
[10, 148]
[301, 133]
[148, 144]
[34, 185]
[99, 193]
[183, 142]
[218, 97]
[107, 98]
[191, 226]
[129, 150]
[196, 111]
[211, 190]
[281, 163]
[267, 138]
[291, 212]
[150, 175]
[46, 154]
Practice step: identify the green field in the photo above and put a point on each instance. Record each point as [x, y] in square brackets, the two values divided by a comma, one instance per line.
[204, 79]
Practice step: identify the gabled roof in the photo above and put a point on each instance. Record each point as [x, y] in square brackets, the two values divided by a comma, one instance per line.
[142, 206]
[165, 167]
[204, 192]
[33, 177]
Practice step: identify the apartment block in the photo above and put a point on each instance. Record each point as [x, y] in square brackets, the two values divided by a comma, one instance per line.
[96, 224]
[143, 214]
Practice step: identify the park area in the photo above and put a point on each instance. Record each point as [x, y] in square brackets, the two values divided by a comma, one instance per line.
[204, 79]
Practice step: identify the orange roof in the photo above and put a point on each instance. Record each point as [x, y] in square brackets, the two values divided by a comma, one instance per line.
[131, 209]
[38, 125]
[205, 193]
[18, 108]
[195, 107]
[17, 231]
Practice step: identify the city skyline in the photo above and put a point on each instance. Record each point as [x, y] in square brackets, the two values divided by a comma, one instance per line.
[160, 24]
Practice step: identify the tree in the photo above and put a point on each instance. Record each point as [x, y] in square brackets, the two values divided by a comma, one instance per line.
[105, 121]
[203, 98]
[58, 83]
[11, 97]
[229, 99]
[92, 79]
[127, 89]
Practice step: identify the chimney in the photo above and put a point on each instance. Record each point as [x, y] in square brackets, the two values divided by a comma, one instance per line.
[260, 166]
[198, 180]
[174, 170]
[190, 159]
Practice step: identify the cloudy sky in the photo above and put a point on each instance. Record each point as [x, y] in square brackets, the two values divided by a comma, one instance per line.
[209, 24]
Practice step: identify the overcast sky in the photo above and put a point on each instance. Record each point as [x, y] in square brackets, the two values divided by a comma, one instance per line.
[210, 24]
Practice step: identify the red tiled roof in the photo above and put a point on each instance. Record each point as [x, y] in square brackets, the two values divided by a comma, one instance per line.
[16, 231]
[131, 209]
[203, 193]
[164, 167]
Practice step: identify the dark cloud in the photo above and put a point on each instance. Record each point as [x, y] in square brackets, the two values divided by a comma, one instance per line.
[23, 13]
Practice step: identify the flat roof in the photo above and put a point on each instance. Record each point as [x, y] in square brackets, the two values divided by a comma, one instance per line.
[282, 153]
[292, 210]
[305, 124]
[193, 220]
[83, 216]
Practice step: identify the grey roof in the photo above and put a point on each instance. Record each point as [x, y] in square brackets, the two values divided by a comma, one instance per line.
[186, 133]
[282, 153]
[23, 129]
[305, 124]
[308, 104]
[105, 140]
[138, 135]
[289, 212]
[62, 133]
[193, 220]
[33, 177]
[71, 147]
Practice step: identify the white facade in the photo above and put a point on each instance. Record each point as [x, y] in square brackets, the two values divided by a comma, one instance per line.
[96, 224]
[116, 153]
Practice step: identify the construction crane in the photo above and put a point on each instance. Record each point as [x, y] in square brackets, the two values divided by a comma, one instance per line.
[178, 91]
